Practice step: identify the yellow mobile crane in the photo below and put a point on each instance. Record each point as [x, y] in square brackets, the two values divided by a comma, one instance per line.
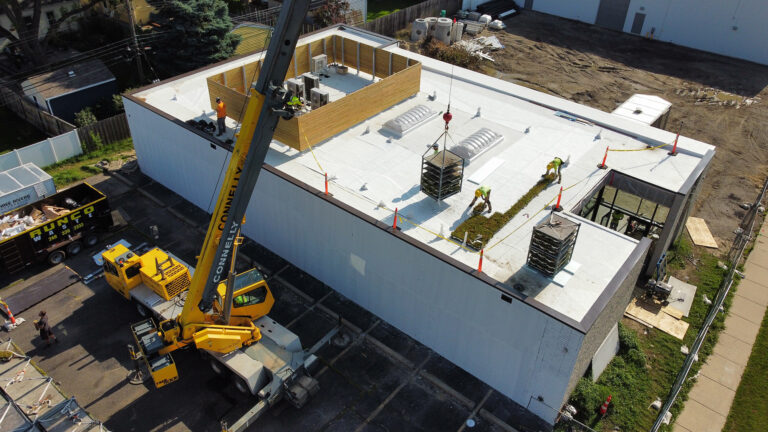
[224, 314]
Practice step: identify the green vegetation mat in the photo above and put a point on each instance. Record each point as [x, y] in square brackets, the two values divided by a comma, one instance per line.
[750, 405]
[481, 228]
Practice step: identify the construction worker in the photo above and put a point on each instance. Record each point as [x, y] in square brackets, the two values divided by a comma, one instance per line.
[221, 115]
[555, 165]
[485, 193]
[46, 333]
[295, 104]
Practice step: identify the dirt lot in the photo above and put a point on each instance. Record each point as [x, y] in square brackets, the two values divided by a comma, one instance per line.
[602, 68]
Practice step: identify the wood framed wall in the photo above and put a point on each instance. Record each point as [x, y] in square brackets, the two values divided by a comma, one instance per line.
[400, 79]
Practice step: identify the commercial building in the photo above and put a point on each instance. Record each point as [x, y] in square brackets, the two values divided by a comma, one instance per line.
[370, 134]
[734, 28]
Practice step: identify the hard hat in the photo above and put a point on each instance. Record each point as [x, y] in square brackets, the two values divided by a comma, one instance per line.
[478, 193]
[218, 99]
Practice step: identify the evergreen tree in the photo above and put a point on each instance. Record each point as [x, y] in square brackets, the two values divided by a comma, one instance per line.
[198, 35]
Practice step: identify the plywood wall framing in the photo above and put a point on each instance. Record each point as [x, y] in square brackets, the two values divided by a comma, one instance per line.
[382, 63]
[398, 63]
[233, 99]
[323, 123]
[402, 80]
[302, 59]
[234, 79]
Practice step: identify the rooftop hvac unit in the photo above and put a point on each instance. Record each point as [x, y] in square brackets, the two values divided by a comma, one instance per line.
[319, 97]
[319, 63]
[310, 81]
[441, 174]
[552, 244]
[295, 86]
[477, 143]
[409, 120]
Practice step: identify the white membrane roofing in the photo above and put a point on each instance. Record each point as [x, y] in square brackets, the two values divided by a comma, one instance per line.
[375, 172]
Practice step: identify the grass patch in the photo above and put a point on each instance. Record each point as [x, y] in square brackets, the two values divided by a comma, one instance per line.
[380, 8]
[635, 386]
[82, 166]
[751, 401]
[481, 229]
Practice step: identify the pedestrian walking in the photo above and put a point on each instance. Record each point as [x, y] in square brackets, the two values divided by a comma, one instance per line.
[221, 115]
[46, 333]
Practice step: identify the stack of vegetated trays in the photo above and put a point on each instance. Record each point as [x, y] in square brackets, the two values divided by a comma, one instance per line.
[442, 174]
[552, 244]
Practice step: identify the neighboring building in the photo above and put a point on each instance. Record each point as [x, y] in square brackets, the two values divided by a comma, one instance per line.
[529, 336]
[735, 28]
[66, 91]
[50, 11]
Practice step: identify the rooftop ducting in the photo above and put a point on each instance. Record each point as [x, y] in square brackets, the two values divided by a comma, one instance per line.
[477, 143]
[409, 120]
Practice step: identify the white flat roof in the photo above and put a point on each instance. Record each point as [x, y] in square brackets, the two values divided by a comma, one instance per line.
[370, 169]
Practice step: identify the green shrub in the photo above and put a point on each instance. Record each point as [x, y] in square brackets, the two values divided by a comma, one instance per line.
[627, 339]
[587, 398]
[636, 357]
[85, 117]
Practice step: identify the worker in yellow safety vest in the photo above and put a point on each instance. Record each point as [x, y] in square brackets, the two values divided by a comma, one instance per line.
[295, 103]
[482, 192]
[555, 166]
[221, 115]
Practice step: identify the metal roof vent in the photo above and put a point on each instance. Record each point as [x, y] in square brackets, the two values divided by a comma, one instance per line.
[409, 120]
[71, 74]
[477, 143]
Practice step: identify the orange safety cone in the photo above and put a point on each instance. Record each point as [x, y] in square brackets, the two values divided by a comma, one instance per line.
[394, 223]
[604, 407]
[8, 312]
[603, 165]
[557, 207]
[480, 265]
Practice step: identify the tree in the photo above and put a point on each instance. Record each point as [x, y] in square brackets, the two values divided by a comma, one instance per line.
[333, 12]
[85, 117]
[27, 37]
[198, 34]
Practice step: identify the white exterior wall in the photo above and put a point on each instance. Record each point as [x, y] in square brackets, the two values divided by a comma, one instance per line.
[708, 25]
[580, 10]
[702, 24]
[516, 349]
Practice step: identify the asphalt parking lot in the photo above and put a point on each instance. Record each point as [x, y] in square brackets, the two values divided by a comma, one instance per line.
[381, 380]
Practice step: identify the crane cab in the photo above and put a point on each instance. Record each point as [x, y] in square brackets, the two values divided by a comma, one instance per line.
[251, 297]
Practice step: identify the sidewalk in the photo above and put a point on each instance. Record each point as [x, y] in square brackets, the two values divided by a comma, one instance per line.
[710, 398]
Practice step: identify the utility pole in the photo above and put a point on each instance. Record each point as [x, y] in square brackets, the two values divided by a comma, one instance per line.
[129, 9]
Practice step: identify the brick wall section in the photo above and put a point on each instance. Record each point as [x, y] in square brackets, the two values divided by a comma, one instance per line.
[610, 315]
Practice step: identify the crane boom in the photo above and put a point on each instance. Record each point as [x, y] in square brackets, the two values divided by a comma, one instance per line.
[259, 122]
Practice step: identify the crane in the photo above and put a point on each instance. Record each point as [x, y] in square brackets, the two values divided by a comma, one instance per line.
[224, 314]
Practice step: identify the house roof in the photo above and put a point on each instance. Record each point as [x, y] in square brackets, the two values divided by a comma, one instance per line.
[255, 37]
[58, 82]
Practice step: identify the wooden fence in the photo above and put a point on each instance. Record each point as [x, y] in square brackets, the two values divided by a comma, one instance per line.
[107, 131]
[28, 111]
[389, 24]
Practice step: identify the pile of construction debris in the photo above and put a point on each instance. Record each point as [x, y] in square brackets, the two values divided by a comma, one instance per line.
[18, 222]
[479, 45]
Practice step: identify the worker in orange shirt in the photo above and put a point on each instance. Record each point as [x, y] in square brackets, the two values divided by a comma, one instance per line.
[221, 114]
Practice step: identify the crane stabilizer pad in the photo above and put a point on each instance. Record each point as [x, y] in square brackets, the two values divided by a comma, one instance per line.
[41, 289]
